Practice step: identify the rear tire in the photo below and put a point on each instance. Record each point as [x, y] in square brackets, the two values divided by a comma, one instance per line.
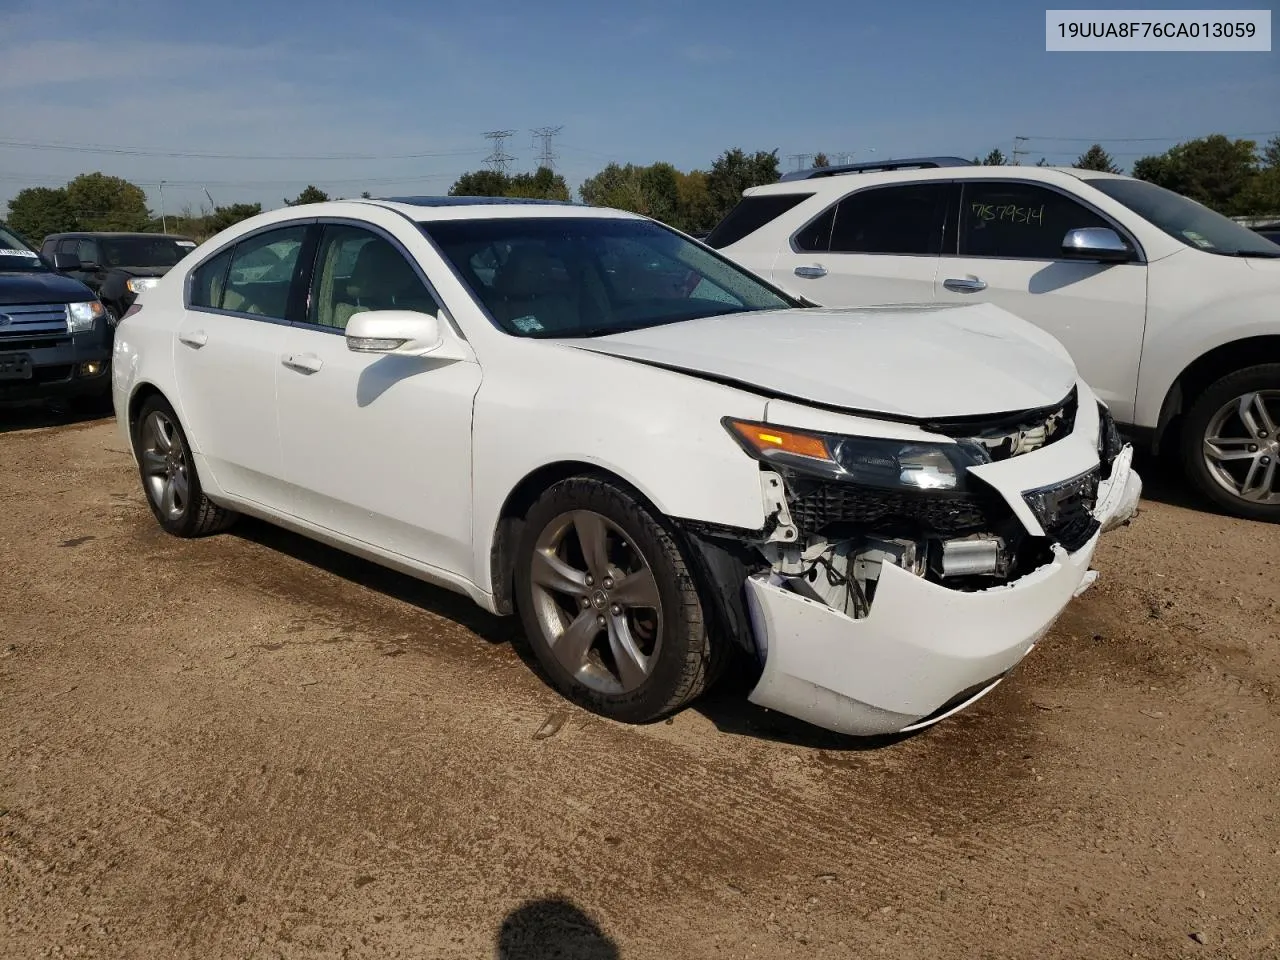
[169, 477]
[610, 608]
[1248, 439]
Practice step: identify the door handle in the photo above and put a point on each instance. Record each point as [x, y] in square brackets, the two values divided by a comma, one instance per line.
[195, 338]
[811, 272]
[969, 284]
[303, 362]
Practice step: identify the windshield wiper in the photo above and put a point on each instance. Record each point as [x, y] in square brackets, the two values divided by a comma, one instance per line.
[1264, 254]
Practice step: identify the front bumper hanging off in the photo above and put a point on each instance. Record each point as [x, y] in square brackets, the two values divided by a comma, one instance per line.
[924, 651]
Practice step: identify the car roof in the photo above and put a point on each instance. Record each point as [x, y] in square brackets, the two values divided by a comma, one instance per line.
[114, 234]
[844, 182]
[428, 209]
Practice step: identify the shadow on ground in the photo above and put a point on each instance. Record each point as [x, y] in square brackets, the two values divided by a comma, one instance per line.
[553, 927]
[33, 415]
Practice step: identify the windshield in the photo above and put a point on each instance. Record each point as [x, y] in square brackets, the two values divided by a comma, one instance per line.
[593, 276]
[1192, 223]
[16, 255]
[143, 251]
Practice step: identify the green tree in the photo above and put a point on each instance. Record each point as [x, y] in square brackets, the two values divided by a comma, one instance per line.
[1095, 158]
[820, 160]
[366, 195]
[309, 194]
[1271, 152]
[37, 212]
[697, 213]
[615, 186]
[481, 183]
[1213, 170]
[224, 217]
[994, 159]
[735, 171]
[660, 186]
[543, 184]
[101, 202]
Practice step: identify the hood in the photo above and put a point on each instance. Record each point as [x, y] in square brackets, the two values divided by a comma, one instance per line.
[50, 287]
[913, 362]
[142, 271]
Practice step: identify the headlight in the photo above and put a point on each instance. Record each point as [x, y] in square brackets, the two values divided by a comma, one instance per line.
[869, 461]
[138, 284]
[80, 316]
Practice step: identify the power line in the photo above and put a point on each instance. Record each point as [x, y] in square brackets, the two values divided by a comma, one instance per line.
[412, 178]
[546, 158]
[196, 155]
[498, 158]
[1255, 133]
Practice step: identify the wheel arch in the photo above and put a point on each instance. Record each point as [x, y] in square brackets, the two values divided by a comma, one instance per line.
[142, 392]
[510, 522]
[1207, 368]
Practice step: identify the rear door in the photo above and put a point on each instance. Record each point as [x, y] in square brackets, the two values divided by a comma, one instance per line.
[876, 245]
[227, 354]
[1009, 252]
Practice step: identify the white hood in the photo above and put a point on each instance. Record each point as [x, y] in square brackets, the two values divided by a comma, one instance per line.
[912, 361]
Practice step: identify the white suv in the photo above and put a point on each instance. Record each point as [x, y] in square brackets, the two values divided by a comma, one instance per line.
[1168, 309]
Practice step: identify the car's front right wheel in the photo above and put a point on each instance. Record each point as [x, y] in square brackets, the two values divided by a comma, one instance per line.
[609, 606]
[1231, 446]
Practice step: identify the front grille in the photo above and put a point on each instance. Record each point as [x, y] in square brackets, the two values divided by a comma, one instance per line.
[816, 505]
[32, 326]
[1065, 510]
[1013, 434]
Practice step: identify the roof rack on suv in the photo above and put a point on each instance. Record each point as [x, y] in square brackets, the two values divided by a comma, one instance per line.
[904, 164]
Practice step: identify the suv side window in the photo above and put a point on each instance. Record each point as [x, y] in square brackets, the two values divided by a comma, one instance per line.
[87, 251]
[357, 270]
[1018, 220]
[905, 220]
[262, 272]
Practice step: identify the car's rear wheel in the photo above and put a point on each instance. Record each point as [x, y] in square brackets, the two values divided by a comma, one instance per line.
[1230, 446]
[169, 476]
[609, 606]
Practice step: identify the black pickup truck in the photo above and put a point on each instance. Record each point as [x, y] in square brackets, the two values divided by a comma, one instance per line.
[55, 335]
[116, 266]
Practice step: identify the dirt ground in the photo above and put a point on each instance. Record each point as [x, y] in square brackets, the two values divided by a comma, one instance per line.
[252, 746]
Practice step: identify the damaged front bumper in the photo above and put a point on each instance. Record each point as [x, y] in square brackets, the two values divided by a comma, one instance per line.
[924, 651]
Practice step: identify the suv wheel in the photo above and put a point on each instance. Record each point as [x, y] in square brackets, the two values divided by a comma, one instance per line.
[1230, 447]
[169, 476]
[608, 604]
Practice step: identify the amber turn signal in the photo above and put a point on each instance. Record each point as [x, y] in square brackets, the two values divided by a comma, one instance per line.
[765, 438]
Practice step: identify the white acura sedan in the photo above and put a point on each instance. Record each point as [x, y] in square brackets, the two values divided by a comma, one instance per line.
[653, 457]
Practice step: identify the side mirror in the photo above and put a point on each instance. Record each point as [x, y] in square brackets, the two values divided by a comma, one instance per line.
[399, 333]
[1096, 243]
[62, 262]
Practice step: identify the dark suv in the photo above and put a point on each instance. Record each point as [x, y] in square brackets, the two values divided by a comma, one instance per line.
[116, 266]
[55, 335]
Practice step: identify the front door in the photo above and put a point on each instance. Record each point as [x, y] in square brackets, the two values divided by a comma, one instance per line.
[376, 448]
[1010, 254]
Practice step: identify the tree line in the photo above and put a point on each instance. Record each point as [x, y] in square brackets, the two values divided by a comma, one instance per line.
[1235, 177]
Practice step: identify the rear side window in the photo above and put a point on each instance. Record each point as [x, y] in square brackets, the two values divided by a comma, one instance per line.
[905, 220]
[1019, 221]
[209, 280]
[750, 215]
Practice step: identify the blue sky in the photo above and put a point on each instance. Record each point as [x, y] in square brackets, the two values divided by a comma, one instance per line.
[676, 81]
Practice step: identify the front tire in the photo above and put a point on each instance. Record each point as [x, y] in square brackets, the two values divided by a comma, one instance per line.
[169, 476]
[609, 606]
[1230, 447]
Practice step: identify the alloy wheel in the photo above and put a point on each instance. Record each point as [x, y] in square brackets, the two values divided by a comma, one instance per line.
[1241, 448]
[596, 602]
[164, 465]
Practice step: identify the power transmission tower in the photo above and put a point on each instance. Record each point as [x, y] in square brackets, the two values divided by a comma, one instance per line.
[499, 158]
[546, 158]
[801, 159]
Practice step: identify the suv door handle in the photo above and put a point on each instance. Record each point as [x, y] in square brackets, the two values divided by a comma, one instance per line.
[196, 338]
[969, 284]
[811, 272]
[303, 362]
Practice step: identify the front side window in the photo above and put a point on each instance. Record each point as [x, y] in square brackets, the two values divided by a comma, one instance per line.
[1185, 220]
[261, 273]
[593, 276]
[87, 251]
[16, 256]
[358, 270]
[904, 220]
[1019, 220]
